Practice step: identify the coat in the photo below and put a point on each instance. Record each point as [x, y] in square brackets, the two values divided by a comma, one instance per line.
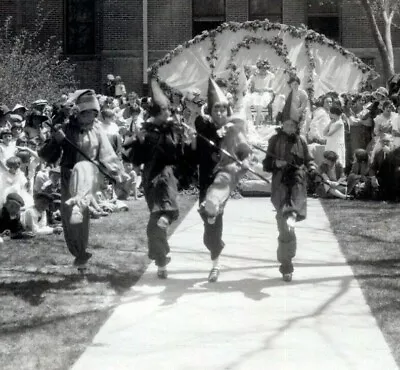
[160, 151]
[289, 184]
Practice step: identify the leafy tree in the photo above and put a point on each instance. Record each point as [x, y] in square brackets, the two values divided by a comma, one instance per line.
[31, 68]
[381, 15]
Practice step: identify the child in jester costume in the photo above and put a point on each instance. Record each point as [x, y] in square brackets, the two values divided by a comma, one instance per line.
[218, 173]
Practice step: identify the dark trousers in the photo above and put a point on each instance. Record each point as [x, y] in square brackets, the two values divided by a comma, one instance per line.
[157, 241]
[287, 244]
[212, 236]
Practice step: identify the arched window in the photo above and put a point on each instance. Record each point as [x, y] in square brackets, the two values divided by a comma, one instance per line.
[80, 30]
[207, 15]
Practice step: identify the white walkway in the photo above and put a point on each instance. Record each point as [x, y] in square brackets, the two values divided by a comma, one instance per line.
[250, 319]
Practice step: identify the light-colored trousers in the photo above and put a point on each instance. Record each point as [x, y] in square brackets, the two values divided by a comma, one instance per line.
[80, 184]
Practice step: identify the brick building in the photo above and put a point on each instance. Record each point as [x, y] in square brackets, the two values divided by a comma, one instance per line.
[123, 37]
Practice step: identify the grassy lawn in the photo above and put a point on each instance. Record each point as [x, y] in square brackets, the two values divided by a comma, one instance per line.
[49, 313]
[369, 236]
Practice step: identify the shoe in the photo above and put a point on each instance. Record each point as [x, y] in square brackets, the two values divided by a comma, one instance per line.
[76, 215]
[287, 277]
[162, 274]
[80, 261]
[213, 276]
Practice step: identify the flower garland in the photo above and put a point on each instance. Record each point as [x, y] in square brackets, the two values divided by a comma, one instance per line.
[276, 43]
[212, 58]
[311, 67]
[253, 26]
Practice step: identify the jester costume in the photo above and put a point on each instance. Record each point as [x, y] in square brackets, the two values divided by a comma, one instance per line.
[218, 174]
[289, 190]
[80, 178]
[160, 150]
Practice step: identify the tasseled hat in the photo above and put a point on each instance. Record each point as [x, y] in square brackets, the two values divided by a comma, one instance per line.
[158, 96]
[215, 95]
[85, 100]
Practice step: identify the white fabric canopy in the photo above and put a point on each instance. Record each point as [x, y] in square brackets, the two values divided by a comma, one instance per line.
[330, 68]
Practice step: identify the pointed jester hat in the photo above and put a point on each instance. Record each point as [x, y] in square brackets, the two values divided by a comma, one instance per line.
[158, 96]
[215, 95]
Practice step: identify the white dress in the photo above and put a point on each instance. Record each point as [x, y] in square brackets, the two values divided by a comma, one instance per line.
[335, 141]
[396, 127]
[258, 82]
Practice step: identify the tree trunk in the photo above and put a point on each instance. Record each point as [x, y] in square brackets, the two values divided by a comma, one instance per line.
[385, 47]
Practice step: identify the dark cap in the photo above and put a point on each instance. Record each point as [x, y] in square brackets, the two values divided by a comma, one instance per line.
[15, 198]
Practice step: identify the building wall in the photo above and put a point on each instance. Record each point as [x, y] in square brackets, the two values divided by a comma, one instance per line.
[294, 12]
[119, 26]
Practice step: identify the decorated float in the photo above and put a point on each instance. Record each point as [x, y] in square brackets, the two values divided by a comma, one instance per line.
[233, 52]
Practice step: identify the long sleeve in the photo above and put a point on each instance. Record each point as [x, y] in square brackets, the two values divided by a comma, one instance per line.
[269, 161]
[51, 151]
[107, 156]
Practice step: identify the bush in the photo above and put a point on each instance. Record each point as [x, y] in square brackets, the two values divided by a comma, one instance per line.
[31, 69]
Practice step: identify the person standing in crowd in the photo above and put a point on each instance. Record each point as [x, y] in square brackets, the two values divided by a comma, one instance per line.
[83, 146]
[109, 86]
[111, 129]
[296, 104]
[334, 133]
[320, 120]
[383, 124]
[120, 89]
[158, 147]
[289, 161]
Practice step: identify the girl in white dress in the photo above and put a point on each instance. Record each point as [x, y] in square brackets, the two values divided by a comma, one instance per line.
[334, 134]
[260, 87]
[396, 128]
[383, 125]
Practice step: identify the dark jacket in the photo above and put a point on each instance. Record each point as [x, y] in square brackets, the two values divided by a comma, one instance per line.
[206, 156]
[6, 223]
[160, 151]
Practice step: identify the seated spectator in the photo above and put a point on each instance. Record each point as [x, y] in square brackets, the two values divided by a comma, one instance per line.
[34, 218]
[359, 181]
[4, 115]
[380, 170]
[107, 199]
[41, 178]
[52, 186]
[129, 187]
[29, 164]
[15, 181]
[332, 179]
[7, 149]
[17, 129]
[10, 217]
[20, 110]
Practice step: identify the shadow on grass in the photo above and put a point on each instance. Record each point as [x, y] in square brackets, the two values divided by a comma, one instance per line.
[33, 291]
